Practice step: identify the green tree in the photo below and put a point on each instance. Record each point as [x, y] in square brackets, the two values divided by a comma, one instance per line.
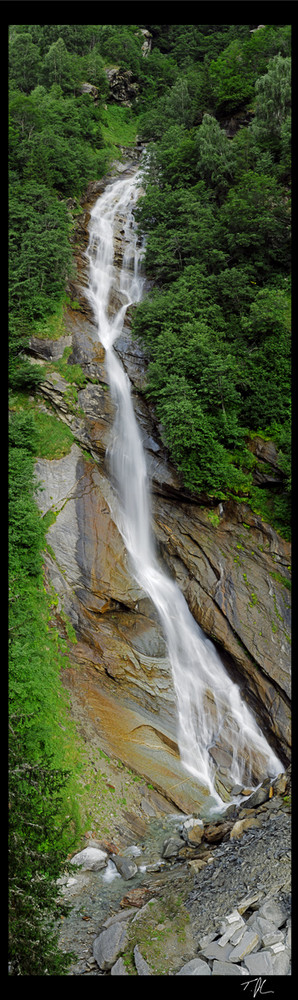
[23, 122]
[256, 224]
[40, 253]
[181, 230]
[93, 65]
[191, 434]
[36, 861]
[42, 766]
[178, 105]
[216, 159]
[121, 44]
[267, 361]
[174, 160]
[24, 61]
[59, 67]
[232, 78]
[273, 105]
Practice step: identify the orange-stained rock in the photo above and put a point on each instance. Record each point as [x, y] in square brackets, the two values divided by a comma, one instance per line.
[232, 570]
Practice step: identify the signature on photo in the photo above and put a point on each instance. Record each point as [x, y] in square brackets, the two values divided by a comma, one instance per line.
[257, 985]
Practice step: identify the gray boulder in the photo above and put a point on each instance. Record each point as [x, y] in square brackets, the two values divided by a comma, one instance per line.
[172, 846]
[273, 911]
[90, 859]
[259, 963]
[108, 945]
[141, 965]
[119, 968]
[195, 968]
[125, 866]
[227, 969]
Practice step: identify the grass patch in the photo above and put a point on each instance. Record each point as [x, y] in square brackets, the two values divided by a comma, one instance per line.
[281, 579]
[54, 438]
[72, 373]
[163, 934]
[51, 327]
[273, 508]
[214, 519]
[119, 126]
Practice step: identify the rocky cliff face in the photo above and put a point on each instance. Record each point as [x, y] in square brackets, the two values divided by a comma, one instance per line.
[122, 85]
[232, 568]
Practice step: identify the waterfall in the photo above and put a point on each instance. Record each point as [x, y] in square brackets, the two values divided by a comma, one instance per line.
[210, 710]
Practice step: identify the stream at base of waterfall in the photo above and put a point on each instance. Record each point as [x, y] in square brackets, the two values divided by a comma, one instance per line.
[210, 709]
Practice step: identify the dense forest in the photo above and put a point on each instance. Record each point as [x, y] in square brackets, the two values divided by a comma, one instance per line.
[211, 105]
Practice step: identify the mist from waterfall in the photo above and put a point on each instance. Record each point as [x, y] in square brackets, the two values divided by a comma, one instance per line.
[209, 705]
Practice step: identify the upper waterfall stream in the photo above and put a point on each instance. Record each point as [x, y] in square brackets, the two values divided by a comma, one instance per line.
[209, 705]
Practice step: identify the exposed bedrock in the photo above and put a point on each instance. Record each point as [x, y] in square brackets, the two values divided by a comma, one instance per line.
[233, 569]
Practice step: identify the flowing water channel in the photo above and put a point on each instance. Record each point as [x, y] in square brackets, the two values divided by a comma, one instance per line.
[209, 706]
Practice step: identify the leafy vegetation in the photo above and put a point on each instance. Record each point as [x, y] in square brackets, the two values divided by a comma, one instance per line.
[212, 105]
[60, 138]
[216, 216]
[43, 820]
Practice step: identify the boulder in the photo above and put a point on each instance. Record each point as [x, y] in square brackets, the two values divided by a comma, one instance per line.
[125, 866]
[258, 797]
[141, 965]
[196, 967]
[136, 897]
[147, 41]
[248, 942]
[215, 832]
[259, 963]
[119, 968]
[267, 470]
[90, 859]
[193, 831]
[119, 917]
[123, 87]
[172, 846]
[49, 349]
[88, 88]
[232, 931]
[280, 785]
[241, 825]
[109, 944]
[227, 969]
[273, 911]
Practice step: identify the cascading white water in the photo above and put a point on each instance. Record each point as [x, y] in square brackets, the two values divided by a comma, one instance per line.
[210, 709]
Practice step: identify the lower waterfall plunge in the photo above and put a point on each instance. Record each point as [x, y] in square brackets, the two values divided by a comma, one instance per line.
[209, 706]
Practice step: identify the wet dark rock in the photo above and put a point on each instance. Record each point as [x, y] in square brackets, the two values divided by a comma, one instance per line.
[193, 830]
[125, 866]
[215, 832]
[258, 797]
[47, 349]
[172, 846]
